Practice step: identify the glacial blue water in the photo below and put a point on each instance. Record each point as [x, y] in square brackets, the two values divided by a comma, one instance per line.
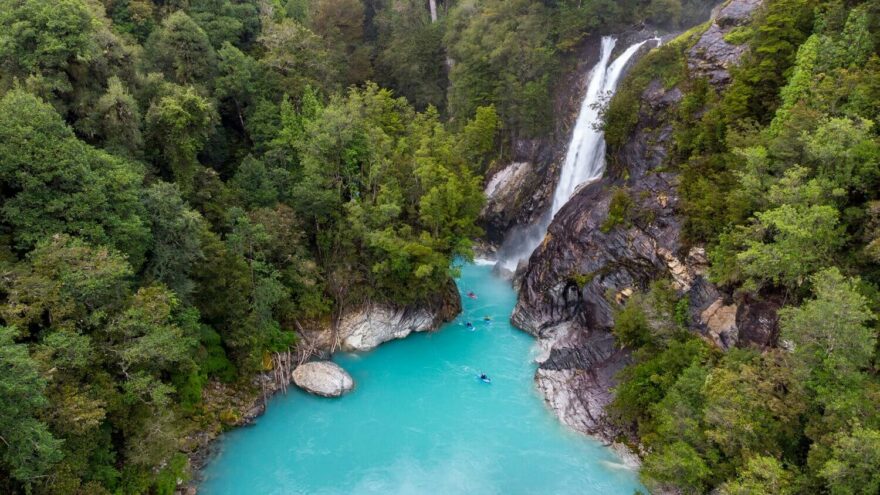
[421, 422]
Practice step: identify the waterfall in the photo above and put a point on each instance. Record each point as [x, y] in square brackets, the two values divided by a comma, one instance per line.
[584, 157]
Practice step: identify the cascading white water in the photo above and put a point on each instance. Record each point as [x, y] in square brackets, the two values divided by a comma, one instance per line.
[585, 156]
[582, 158]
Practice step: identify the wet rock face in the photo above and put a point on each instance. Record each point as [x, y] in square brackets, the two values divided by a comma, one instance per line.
[564, 294]
[758, 323]
[746, 323]
[585, 263]
[576, 376]
[577, 264]
[324, 378]
[712, 56]
[508, 189]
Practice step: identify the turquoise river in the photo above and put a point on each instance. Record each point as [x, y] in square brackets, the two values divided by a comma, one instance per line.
[421, 422]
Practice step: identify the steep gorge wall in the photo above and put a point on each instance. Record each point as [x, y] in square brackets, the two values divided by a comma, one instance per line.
[587, 258]
[520, 190]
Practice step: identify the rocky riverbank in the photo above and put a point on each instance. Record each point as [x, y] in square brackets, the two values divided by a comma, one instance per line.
[227, 406]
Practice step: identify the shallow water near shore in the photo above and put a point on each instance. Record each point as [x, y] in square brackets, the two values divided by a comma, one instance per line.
[421, 422]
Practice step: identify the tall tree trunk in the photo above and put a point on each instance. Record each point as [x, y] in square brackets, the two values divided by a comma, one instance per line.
[433, 4]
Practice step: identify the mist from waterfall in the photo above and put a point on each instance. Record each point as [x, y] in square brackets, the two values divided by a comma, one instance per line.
[585, 155]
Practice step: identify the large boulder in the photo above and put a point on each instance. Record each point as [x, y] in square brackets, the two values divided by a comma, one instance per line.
[324, 378]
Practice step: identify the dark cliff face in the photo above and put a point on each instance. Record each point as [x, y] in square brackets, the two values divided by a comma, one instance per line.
[587, 262]
[534, 163]
[529, 178]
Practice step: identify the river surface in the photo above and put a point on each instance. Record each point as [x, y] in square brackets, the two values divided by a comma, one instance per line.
[421, 422]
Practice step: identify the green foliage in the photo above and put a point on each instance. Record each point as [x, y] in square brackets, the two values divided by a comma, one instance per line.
[778, 178]
[43, 37]
[503, 56]
[763, 475]
[182, 50]
[384, 182]
[619, 211]
[853, 466]
[184, 188]
[297, 56]
[53, 183]
[830, 331]
[783, 246]
[28, 449]
[666, 64]
[179, 123]
[647, 382]
[176, 238]
[268, 201]
[225, 21]
[411, 57]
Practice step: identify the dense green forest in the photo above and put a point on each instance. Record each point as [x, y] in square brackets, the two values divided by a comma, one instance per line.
[780, 179]
[185, 183]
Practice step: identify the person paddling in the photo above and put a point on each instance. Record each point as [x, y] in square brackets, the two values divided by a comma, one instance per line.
[485, 377]
[471, 295]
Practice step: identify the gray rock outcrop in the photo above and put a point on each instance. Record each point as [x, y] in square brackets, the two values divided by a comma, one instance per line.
[370, 324]
[324, 378]
[367, 327]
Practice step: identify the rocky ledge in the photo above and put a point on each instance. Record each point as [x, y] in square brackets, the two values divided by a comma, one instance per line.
[587, 262]
[368, 325]
[324, 378]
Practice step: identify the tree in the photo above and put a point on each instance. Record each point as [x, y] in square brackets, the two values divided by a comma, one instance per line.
[116, 121]
[340, 24]
[182, 51]
[763, 475]
[783, 246]
[845, 152]
[241, 80]
[411, 57]
[504, 56]
[853, 468]
[664, 12]
[69, 281]
[297, 56]
[27, 448]
[44, 37]
[176, 246]
[753, 405]
[227, 22]
[255, 184]
[830, 331]
[53, 183]
[179, 124]
[678, 464]
[479, 138]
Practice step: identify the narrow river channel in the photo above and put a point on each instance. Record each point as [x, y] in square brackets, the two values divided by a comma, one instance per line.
[420, 421]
